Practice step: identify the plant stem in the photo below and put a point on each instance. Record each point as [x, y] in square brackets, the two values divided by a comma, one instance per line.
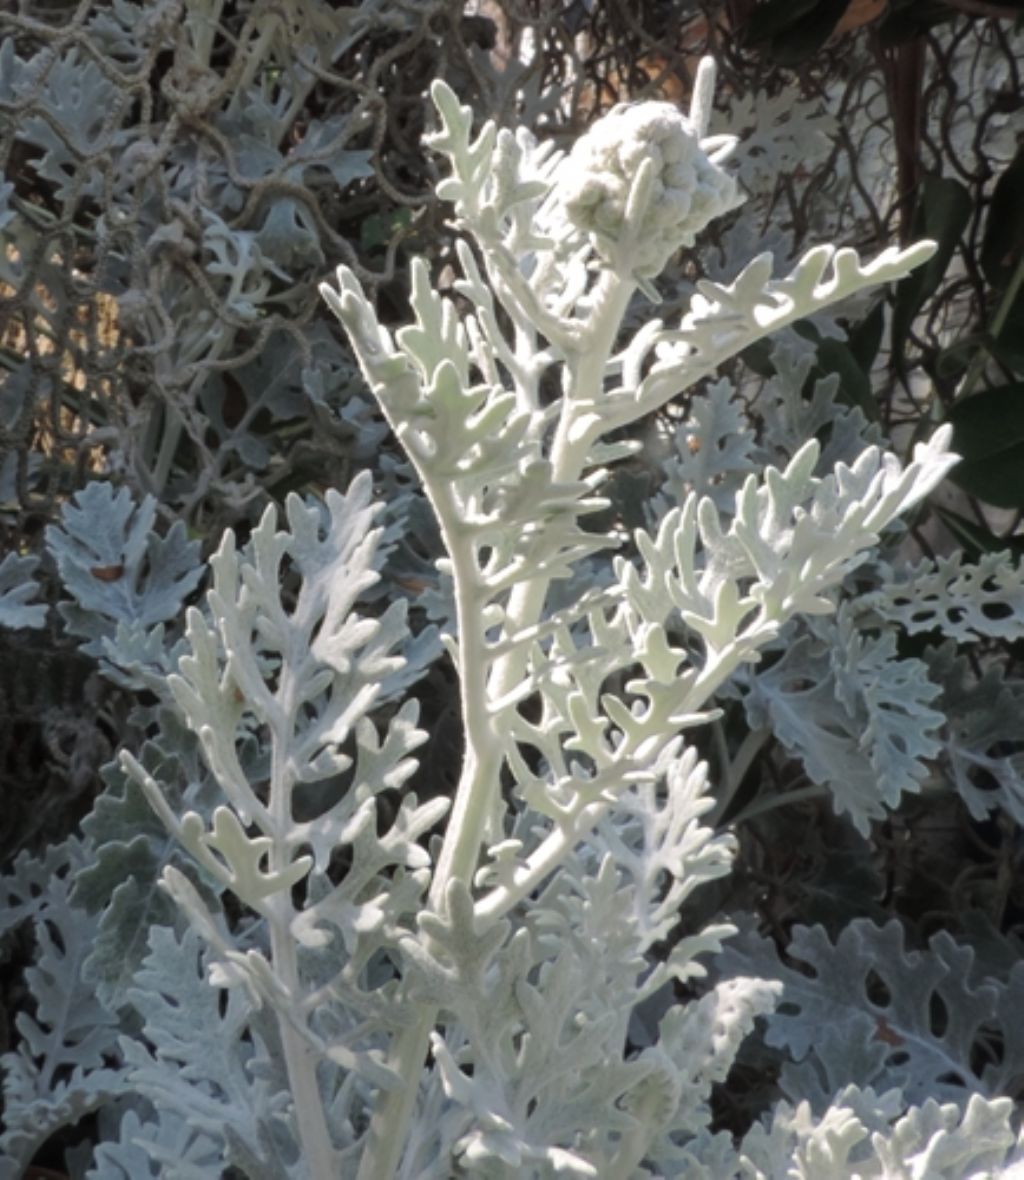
[735, 770]
[474, 800]
[300, 1057]
[301, 1064]
[635, 1142]
[256, 53]
[386, 1137]
[762, 806]
[477, 792]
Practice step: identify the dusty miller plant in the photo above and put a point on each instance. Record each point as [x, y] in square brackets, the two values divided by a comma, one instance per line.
[176, 177]
[339, 979]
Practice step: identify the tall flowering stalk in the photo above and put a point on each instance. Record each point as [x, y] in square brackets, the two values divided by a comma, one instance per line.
[565, 243]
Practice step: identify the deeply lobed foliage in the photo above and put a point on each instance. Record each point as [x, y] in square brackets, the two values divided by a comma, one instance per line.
[533, 947]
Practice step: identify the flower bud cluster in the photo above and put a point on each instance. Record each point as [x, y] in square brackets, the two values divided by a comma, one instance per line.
[689, 187]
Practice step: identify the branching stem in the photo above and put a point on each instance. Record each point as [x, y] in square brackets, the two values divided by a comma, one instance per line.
[300, 1057]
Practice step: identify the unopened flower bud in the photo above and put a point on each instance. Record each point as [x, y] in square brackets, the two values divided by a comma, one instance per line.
[689, 188]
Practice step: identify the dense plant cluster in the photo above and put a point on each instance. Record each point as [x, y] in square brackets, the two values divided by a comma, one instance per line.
[429, 749]
[177, 179]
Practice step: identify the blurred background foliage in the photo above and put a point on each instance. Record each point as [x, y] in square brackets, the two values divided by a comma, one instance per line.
[177, 176]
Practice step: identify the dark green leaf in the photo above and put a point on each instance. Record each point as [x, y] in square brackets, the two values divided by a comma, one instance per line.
[836, 357]
[952, 362]
[1008, 347]
[907, 19]
[776, 16]
[758, 358]
[793, 30]
[1004, 230]
[865, 338]
[988, 431]
[854, 386]
[943, 209]
[378, 229]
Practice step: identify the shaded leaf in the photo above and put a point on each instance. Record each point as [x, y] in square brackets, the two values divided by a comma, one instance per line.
[17, 588]
[116, 567]
[988, 431]
[869, 1011]
[943, 210]
[1004, 230]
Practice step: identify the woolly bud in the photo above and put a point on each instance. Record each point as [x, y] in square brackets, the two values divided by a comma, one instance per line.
[686, 191]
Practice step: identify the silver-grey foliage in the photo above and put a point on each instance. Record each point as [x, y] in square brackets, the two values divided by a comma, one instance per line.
[268, 953]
